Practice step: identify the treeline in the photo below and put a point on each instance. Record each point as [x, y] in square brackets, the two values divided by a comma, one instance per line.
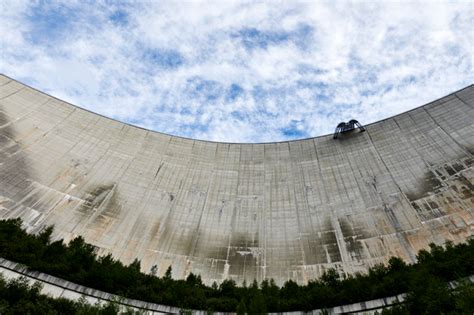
[425, 281]
[18, 296]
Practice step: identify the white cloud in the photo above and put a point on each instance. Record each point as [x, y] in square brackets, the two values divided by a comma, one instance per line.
[303, 66]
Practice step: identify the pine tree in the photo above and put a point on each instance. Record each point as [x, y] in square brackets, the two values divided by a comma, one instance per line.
[241, 309]
[168, 274]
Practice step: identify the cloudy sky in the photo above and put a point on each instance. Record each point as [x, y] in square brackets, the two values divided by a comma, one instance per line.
[241, 71]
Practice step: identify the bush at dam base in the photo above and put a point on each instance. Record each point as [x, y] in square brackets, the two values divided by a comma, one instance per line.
[17, 296]
[426, 282]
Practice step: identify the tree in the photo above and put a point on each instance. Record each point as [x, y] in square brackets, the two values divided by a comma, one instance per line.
[228, 288]
[194, 280]
[45, 236]
[241, 309]
[135, 265]
[428, 295]
[396, 264]
[153, 270]
[271, 293]
[464, 297]
[168, 274]
[330, 277]
[257, 304]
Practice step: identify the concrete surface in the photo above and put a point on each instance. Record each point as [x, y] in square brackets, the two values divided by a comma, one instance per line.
[286, 210]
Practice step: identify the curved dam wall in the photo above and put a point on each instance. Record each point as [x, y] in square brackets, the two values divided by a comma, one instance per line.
[286, 210]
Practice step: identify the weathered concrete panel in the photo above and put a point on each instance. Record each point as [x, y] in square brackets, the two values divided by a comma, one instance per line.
[287, 210]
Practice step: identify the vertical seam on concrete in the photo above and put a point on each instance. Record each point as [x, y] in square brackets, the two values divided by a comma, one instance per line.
[145, 196]
[234, 211]
[360, 189]
[448, 134]
[308, 213]
[232, 220]
[198, 226]
[93, 166]
[462, 101]
[410, 144]
[399, 234]
[347, 257]
[13, 93]
[341, 247]
[49, 130]
[168, 215]
[294, 170]
[265, 201]
[8, 82]
[25, 115]
[75, 144]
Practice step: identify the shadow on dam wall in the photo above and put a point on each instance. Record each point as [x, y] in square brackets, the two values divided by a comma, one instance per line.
[15, 175]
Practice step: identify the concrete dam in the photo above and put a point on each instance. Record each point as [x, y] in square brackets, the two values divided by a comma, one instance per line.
[283, 210]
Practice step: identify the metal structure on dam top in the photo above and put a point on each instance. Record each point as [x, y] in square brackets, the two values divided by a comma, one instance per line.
[285, 210]
[347, 127]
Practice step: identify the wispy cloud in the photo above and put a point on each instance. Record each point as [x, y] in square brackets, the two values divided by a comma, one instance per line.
[240, 71]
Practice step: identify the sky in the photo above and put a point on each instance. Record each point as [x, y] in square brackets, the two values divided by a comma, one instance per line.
[240, 71]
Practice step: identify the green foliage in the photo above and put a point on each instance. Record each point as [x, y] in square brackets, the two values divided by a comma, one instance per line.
[330, 278]
[18, 296]
[428, 295]
[241, 308]
[168, 274]
[425, 282]
[257, 304]
[464, 297]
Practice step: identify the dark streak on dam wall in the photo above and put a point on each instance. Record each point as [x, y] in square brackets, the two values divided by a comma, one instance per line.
[285, 210]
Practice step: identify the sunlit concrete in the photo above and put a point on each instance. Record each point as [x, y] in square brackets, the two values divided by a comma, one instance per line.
[286, 210]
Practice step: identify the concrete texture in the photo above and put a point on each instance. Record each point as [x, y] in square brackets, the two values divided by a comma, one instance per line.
[286, 210]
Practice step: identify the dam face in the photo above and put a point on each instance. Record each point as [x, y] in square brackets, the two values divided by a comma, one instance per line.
[286, 210]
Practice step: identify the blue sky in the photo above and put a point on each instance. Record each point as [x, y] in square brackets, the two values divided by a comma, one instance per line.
[240, 71]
